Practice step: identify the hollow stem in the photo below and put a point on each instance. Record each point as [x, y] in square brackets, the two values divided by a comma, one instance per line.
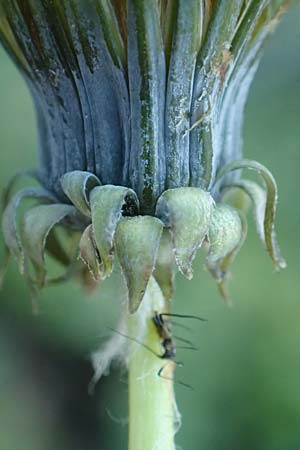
[152, 408]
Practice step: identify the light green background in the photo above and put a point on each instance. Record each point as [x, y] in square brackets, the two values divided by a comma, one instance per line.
[246, 374]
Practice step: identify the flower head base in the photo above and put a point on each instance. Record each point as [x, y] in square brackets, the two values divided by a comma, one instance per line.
[140, 110]
[105, 220]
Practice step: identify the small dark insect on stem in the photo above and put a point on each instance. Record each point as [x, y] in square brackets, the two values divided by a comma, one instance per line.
[164, 331]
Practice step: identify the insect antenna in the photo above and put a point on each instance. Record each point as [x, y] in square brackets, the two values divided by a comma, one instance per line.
[135, 340]
[181, 316]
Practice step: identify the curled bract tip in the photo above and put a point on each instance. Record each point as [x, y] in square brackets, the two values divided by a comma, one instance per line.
[89, 253]
[108, 205]
[10, 227]
[77, 186]
[264, 201]
[137, 242]
[226, 235]
[186, 212]
[36, 226]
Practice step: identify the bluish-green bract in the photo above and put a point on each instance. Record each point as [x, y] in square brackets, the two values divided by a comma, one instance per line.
[143, 94]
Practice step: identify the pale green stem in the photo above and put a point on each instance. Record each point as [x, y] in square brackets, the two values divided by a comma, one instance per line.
[152, 408]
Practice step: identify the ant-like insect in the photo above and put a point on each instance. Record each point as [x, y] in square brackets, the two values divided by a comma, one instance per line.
[163, 328]
[165, 333]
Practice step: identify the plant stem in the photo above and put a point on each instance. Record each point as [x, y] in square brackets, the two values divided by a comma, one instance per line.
[152, 408]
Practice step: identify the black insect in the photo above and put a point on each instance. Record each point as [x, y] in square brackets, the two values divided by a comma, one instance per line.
[164, 330]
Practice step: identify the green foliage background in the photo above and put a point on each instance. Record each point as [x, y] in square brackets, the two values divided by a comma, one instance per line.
[247, 370]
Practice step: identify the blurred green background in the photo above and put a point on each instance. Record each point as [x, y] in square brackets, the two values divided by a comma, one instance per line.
[246, 374]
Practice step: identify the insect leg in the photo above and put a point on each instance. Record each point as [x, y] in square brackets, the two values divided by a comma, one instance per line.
[187, 347]
[185, 341]
[181, 383]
